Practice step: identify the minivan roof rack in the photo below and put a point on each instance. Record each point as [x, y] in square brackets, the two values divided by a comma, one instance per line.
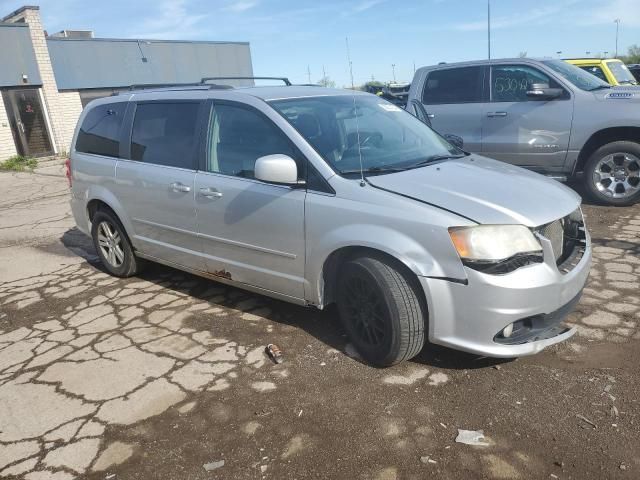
[285, 80]
[144, 86]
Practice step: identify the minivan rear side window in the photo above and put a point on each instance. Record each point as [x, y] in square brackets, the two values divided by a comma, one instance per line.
[165, 133]
[454, 85]
[100, 130]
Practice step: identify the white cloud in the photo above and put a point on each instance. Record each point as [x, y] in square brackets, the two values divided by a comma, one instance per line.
[628, 11]
[538, 15]
[171, 19]
[366, 5]
[241, 6]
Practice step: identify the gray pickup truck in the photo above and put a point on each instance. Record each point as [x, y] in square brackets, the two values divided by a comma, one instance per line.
[544, 115]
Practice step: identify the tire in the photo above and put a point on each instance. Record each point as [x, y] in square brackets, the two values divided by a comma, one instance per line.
[381, 310]
[612, 174]
[109, 236]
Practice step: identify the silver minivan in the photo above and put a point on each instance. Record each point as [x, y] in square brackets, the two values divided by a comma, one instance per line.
[318, 196]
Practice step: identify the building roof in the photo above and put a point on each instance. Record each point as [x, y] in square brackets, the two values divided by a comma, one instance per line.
[17, 57]
[112, 63]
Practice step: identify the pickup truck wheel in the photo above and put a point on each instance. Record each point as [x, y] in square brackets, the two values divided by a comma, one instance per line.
[113, 246]
[381, 310]
[612, 173]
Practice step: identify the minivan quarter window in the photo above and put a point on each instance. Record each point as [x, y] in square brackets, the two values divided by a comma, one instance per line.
[454, 85]
[165, 133]
[99, 133]
[510, 83]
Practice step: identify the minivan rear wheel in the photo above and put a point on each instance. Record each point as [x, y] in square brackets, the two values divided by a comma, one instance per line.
[612, 173]
[381, 310]
[113, 245]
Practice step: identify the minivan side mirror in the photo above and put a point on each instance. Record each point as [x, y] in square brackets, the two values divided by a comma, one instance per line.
[542, 91]
[276, 168]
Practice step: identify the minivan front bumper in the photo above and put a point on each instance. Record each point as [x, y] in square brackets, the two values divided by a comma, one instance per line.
[470, 317]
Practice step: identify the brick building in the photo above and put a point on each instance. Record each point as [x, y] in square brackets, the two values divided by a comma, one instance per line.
[46, 80]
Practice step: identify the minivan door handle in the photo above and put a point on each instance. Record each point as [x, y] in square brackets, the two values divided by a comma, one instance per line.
[180, 187]
[210, 193]
[496, 114]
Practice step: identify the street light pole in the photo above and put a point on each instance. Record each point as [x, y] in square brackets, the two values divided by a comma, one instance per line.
[617, 22]
[393, 69]
[489, 29]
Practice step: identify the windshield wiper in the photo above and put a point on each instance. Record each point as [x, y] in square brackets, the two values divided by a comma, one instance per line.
[600, 87]
[435, 158]
[382, 169]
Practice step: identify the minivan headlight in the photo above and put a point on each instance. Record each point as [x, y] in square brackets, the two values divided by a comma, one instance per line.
[496, 248]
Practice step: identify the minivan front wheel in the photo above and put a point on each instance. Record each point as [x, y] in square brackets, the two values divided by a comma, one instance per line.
[381, 310]
[612, 173]
[113, 246]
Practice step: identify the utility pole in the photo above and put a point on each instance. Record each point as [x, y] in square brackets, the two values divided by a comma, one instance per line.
[309, 73]
[393, 69]
[617, 22]
[489, 29]
[414, 67]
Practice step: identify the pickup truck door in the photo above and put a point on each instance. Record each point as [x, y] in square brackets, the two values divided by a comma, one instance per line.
[523, 131]
[453, 99]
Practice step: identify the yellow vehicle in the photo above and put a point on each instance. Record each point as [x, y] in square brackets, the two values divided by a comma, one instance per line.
[611, 70]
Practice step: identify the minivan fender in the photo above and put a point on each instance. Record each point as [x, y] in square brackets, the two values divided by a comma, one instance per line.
[104, 195]
[403, 248]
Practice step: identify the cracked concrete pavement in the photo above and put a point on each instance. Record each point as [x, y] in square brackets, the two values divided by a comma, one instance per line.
[153, 377]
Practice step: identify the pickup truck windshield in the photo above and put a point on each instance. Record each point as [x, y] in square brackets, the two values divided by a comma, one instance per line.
[581, 79]
[622, 73]
[390, 138]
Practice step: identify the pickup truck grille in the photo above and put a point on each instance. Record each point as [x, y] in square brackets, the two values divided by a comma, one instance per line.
[568, 239]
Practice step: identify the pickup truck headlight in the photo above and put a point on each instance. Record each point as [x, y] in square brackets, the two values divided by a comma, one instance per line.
[496, 248]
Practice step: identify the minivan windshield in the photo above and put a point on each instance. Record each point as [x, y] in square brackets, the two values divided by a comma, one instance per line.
[343, 127]
[622, 73]
[581, 79]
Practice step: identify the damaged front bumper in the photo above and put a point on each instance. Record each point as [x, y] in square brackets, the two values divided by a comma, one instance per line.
[534, 300]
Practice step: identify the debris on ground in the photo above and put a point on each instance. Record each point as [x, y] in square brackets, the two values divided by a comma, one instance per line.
[471, 437]
[586, 420]
[427, 459]
[275, 353]
[213, 465]
[614, 411]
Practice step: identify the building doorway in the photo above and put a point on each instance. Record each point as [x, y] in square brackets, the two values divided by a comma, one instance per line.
[28, 123]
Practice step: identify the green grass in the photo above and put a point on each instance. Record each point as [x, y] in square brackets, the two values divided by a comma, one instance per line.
[18, 163]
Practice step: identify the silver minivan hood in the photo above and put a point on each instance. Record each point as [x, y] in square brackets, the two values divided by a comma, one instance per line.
[484, 190]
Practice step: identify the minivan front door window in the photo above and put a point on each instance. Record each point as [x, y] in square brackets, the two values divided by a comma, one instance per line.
[238, 137]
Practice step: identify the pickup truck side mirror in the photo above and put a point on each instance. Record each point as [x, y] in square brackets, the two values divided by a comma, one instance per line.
[419, 112]
[542, 91]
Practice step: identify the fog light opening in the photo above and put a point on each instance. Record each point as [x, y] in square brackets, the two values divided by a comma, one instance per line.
[507, 331]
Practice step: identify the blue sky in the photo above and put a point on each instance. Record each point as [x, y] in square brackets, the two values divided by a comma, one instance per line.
[289, 36]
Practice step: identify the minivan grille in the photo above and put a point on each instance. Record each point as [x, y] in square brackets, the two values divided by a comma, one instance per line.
[568, 239]
[554, 231]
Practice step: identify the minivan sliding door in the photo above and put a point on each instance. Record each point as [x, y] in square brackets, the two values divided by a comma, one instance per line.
[155, 179]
